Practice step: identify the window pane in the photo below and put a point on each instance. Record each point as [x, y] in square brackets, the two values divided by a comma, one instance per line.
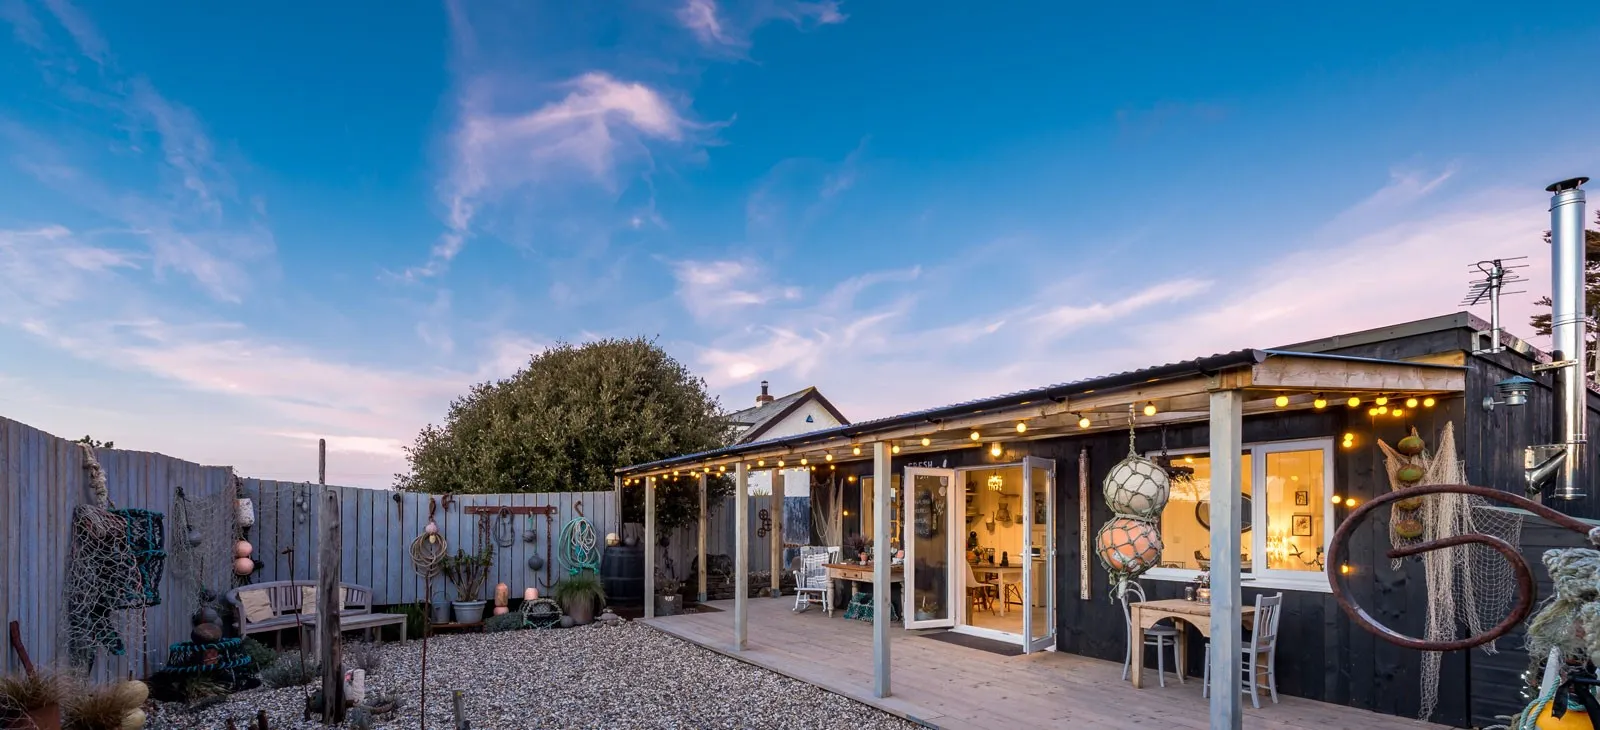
[1185, 522]
[1295, 497]
[869, 505]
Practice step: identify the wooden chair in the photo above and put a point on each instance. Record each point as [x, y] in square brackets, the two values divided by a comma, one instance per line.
[985, 592]
[1159, 637]
[1260, 661]
[811, 583]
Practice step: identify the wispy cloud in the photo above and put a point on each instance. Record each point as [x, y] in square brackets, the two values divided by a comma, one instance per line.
[49, 266]
[601, 125]
[727, 30]
[717, 290]
[1066, 318]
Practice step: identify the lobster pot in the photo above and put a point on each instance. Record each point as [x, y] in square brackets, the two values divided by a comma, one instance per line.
[622, 573]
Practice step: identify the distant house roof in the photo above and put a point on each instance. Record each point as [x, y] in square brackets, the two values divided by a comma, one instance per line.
[757, 420]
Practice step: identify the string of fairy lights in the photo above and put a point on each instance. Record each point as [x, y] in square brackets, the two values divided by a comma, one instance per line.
[1381, 405]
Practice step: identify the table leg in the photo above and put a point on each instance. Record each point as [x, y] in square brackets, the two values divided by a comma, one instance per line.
[1183, 649]
[1136, 644]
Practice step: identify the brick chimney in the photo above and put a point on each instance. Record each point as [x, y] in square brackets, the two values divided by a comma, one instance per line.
[765, 397]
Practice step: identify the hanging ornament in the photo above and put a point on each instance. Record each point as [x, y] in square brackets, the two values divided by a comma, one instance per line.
[242, 549]
[528, 534]
[1136, 490]
[247, 513]
[432, 528]
[535, 563]
[243, 566]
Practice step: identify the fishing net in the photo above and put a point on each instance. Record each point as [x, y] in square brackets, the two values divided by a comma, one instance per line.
[1136, 490]
[1469, 584]
[101, 578]
[205, 529]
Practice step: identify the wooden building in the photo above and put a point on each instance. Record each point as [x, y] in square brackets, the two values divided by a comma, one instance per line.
[1293, 430]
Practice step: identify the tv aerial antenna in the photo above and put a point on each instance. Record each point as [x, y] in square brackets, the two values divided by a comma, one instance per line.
[1493, 276]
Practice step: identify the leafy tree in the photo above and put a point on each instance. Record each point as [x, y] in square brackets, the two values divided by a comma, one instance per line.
[96, 444]
[567, 420]
[1591, 285]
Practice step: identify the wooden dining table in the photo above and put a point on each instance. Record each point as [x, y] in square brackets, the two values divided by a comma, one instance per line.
[1145, 614]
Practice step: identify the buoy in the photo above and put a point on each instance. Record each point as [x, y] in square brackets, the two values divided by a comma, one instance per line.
[242, 549]
[134, 720]
[132, 693]
[243, 566]
[1409, 474]
[1410, 445]
[432, 528]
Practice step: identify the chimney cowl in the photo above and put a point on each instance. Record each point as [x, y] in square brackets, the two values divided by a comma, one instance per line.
[765, 397]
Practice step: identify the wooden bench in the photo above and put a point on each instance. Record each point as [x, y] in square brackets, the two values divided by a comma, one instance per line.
[286, 598]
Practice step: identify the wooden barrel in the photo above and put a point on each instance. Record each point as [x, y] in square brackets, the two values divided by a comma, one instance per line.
[622, 572]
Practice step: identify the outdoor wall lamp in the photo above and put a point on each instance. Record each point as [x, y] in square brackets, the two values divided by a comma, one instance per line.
[1513, 391]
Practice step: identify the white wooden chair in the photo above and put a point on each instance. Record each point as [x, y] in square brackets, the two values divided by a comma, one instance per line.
[1159, 637]
[811, 583]
[1260, 660]
[986, 592]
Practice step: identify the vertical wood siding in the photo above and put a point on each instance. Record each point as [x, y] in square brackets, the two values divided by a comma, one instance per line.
[42, 480]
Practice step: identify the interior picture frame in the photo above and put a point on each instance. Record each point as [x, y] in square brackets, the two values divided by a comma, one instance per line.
[1302, 499]
[1300, 524]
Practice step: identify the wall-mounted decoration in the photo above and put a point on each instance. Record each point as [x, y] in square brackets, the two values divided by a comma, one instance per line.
[1300, 525]
[1202, 513]
[1302, 499]
[1136, 490]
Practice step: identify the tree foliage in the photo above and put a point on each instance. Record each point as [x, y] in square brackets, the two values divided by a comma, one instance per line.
[1591, 303]
[96, 444]
[566, 421]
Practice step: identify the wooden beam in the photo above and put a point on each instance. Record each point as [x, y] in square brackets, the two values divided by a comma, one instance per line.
[704, 525]
[1313, 373]
[776, 534]
[330, 552]
[741, 555]
[881, 556]
[650, 547]
[1227, 505]
[1457, 358]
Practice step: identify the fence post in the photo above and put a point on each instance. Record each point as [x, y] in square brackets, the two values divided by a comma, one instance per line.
[328, 599]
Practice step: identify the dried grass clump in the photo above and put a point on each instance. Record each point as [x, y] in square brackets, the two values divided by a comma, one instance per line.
[22, 692]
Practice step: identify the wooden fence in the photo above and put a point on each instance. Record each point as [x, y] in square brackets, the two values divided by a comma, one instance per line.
[42, 479]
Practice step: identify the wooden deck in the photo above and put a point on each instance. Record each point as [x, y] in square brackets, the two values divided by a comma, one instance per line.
[948, 686]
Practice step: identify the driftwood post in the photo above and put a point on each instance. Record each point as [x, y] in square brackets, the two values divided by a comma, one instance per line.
[322, 461]
[328, 599]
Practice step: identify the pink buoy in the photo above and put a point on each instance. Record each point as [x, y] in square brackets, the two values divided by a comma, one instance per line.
[243, 566]
[432, 528]
[242, 549]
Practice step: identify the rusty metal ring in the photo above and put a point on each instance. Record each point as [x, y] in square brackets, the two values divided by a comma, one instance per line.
[1525, 586]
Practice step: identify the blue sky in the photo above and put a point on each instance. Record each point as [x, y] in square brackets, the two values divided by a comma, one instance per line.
[227, 230]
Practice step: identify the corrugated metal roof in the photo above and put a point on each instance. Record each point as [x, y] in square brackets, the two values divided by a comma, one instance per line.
[1202, 365]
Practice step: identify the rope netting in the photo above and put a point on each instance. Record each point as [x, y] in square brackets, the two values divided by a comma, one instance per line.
[1469, 584]
[205, 529]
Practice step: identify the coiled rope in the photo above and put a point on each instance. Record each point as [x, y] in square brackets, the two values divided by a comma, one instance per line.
[429, 548]
[579, 545]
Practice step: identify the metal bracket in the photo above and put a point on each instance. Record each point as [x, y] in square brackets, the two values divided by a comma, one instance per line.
[1557, 365]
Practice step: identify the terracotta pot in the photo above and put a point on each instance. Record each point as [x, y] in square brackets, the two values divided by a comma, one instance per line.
[43, 718]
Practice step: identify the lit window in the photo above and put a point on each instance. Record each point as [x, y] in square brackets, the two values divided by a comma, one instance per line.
[1287, 512]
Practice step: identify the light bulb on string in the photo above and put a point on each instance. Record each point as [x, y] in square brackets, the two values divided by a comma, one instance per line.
[1411, 402]
[1150, 408]
[1083, 422]
[1380, 400]
[1281, 401]
[994, 449]
[828, 456]
[895, 449]
[1428, 402]
[1022, 427]
[1354, 402]
[1372, 411]
[1320, 402]
[1398, 411]
[802, 461]
[975, 435]
[856, 450]
[926, 441]
[1383, 410]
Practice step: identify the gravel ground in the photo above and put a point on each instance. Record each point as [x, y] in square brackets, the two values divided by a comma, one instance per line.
[627, 676]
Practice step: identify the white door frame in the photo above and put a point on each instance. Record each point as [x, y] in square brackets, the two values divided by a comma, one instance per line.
[908, 526]
[1046, 554]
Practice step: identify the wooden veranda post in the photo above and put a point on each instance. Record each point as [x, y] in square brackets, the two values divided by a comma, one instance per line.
[776, 533]
[741, 555]
[331, 552]
[881, 557]
[700, 593]
[650, 547]
[1227, 505]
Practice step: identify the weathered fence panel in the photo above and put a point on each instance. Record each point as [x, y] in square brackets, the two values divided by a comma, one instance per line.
[42, 480]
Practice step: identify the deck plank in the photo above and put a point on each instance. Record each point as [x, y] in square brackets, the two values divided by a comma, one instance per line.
[947, 686]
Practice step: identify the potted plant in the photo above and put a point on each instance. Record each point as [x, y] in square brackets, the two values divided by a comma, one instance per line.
[858, 546]
[32, 700]
[1202, 587]
[468, 574]
[580, 595]
[669, 598]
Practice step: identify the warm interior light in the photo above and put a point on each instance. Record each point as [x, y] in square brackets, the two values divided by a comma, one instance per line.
[975, 435]
[1428, 402]
[1281, 401]
[1150, 408]
[1353, 402]
[1188, 459]
[831, 467]
[1349, 501]
[1320, 402]
[1380, 400]
[856, 450]
[1383, 410]
[1022, 427]
[926, 441]
[1083, 422]
[846, 514]
[994, 449]
[1411, 402]
[851, 479]
[1349, 436]
[1337, 499]
[1398, 411]
[1344, 569]
[1372, 411]
[674, 472]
